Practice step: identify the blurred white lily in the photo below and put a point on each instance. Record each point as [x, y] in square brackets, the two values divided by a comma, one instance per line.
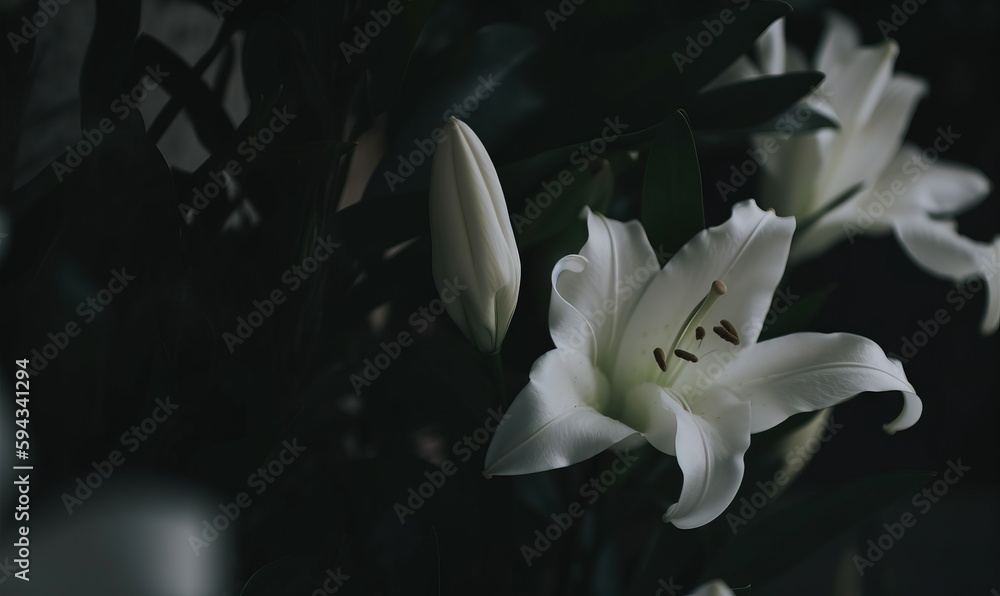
[713, 588]
[902, 189]
[472, 242]
[632, 357]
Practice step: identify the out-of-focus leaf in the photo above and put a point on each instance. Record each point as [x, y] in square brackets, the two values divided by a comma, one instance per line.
[748, 103]
[672, 211]
[106, 66]
[393, 49]
[558, 200]
[470, 82]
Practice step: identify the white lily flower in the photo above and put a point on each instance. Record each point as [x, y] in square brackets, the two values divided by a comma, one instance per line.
[632, 358]
[902, 189]
[713, 588]
[471, 238]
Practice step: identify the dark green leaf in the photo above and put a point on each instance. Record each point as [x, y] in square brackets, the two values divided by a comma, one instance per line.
[672, 211]
[392, 51]
[557, 201]
[751, 102]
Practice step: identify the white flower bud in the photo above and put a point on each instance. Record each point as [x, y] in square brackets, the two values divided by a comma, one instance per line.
[472, 243]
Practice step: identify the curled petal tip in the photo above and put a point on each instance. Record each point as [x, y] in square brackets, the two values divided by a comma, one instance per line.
[486, 475]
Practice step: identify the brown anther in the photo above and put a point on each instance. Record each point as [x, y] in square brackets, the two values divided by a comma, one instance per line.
[699, 333]
[730, 328]
[661, 359]
[721, 332]
[685, 355]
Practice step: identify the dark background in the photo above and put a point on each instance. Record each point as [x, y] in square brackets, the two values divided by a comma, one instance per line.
[333, 507]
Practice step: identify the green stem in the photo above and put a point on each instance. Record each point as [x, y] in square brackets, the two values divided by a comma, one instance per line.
[496, 371]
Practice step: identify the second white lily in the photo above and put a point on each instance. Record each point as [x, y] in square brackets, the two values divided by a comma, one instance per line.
[633, 357]
[904, 190]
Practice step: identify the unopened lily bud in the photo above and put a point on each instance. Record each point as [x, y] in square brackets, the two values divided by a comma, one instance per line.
[472, 243]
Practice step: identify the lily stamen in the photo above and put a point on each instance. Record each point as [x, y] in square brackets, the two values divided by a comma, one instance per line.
[689, 330]
[726, 335]
[729, 327]
[684, 355]
[661, 359]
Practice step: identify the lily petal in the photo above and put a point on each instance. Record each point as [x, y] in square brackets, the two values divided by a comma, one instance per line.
[771, 48]
[908, 187]
[840, 37]
[945, 188]
[838, 224]
[710, 453]
[748, 253]
[743, 68]
[863, 154]
[866, 75]
[791, 184]
[593, 293]
[940, 249]
[553, 422]
[805, 372]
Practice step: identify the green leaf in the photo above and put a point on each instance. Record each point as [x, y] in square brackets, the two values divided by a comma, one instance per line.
[797, 315]
[751, 102]
[556, 202]
[393, 50]
[781, 127]
[776, 542]
[672, 211]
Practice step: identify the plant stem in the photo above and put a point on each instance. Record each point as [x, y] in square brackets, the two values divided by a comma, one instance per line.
[496, 371]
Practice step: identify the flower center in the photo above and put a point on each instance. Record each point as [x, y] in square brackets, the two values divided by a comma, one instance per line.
[690, 332]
